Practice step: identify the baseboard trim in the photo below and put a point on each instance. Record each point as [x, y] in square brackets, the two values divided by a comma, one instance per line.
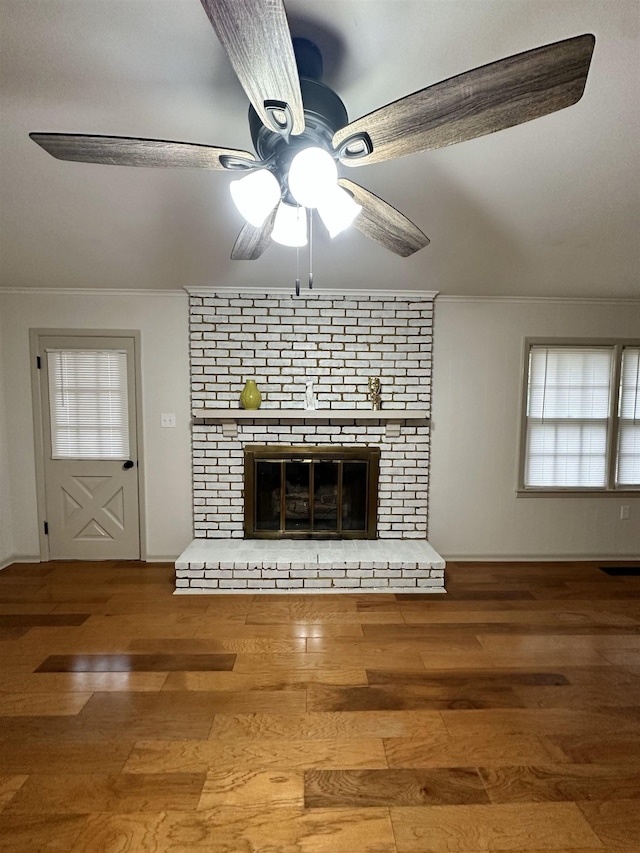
[537, 558]
[15, 558]
[157, 559]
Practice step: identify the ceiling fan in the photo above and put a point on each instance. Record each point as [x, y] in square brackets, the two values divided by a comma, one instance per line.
[300, 129]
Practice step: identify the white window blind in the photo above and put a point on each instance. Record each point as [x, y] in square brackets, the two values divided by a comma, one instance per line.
[628, 458]
[568, 405]
[88, 404]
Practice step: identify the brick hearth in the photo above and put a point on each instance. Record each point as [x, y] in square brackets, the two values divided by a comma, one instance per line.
[283, 565]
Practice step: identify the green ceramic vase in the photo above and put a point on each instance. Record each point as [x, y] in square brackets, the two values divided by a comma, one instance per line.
[250, 398]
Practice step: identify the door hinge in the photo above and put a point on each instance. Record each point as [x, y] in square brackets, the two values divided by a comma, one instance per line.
[46, 528]
[38, 362]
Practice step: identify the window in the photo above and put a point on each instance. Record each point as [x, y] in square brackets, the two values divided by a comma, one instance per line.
[88, 404]
[628, 447]
[581, 424]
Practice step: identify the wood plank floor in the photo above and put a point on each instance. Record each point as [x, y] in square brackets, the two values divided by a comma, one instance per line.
[504, 716]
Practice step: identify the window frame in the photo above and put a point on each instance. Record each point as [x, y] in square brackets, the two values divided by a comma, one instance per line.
[617, 345]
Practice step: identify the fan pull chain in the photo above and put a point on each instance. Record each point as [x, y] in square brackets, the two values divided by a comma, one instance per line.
[310, 249]
[298, 258]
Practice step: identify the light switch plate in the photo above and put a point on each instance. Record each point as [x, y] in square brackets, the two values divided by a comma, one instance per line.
[168, 420]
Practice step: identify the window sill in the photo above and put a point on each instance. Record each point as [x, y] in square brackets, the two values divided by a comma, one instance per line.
[578, 493]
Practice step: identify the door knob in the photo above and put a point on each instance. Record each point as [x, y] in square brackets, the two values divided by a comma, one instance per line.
[128, 464]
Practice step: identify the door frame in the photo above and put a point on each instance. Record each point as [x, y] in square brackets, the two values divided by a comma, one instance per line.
[39, 425]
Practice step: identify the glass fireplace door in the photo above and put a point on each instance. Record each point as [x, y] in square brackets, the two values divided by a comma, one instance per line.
[326, 495]
[311, 493]
[297, 496]
[268, 479]
[354, 495]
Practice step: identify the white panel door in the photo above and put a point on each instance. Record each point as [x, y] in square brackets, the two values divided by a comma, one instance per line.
[88, 399]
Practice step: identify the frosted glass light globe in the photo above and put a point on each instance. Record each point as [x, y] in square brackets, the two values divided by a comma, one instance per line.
[312, 175]
[290, 226]
[256, 195]
[338, 210]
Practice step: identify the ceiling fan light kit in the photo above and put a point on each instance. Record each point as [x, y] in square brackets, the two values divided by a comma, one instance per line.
[300, 129]
[256, 195]
[312, 175]
[290, 226]
[338, 210]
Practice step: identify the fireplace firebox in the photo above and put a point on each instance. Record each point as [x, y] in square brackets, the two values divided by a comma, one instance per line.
[310, 492]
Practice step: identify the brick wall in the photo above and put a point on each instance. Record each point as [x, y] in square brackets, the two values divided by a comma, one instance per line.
[338, 341]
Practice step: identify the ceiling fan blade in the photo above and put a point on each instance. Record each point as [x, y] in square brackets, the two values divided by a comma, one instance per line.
[125, 151]
[252, 241]
[383, 223]
[256, 37]
[490, 98]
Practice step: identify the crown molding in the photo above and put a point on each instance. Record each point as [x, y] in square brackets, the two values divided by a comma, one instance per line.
[556, 300]
[319, 294]
[91, 291]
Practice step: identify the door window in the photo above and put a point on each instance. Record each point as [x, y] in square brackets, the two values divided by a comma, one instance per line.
[88, 404]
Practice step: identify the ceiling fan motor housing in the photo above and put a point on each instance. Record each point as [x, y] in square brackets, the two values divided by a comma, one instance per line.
[324, 114]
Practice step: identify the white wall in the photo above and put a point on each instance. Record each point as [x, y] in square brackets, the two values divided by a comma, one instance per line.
[473, 508]
[162, 319]
[476, 405]
[6, 533]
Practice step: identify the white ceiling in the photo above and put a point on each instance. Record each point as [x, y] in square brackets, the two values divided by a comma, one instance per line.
[549, 208]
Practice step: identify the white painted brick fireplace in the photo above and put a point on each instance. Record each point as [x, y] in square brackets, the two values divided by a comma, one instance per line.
[337, 342]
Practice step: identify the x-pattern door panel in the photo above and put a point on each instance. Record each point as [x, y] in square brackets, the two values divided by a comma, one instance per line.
[91, 504]
[91, 507]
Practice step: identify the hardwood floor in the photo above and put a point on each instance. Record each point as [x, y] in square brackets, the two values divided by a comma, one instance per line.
[504, 716]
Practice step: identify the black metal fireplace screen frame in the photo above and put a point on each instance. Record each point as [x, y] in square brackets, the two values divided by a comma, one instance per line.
[254, 454]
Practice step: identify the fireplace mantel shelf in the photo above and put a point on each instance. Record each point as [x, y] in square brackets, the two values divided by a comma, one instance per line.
[229, 418]
[311, 414]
